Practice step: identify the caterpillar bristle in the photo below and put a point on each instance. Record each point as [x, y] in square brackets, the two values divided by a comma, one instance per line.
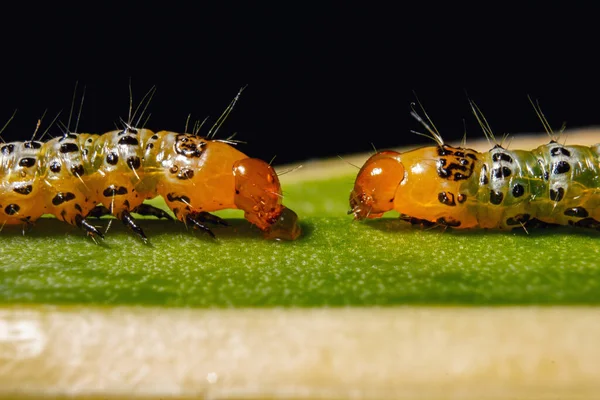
[75, 174]
[460, 188]
[433, 132]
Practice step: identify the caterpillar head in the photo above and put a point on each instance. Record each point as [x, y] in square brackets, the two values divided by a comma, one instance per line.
[376, 184]
[258, 193]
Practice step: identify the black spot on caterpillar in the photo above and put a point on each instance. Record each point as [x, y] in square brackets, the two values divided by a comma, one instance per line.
[551, 184]
[115, 172]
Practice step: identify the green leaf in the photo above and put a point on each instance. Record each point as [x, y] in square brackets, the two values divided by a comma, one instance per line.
[337, 261]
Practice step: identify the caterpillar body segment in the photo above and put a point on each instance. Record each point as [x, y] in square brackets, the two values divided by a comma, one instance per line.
[499, 189]
[72, 175]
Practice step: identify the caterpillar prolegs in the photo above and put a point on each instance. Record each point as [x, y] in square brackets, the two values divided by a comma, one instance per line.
[76, 176]
[502, 189]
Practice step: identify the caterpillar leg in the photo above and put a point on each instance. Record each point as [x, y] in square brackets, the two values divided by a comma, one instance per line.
[197, 219]
[589, 223]
[204, 216]
[90, 229]
[127, 218]
[147, 209]
[423, 223]
[27, 225]
[144, 209]
[98, 211]
[535, 223]
[130, 222]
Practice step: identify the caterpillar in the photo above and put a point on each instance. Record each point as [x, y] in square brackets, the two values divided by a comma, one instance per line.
[78, 175]
[553, 184]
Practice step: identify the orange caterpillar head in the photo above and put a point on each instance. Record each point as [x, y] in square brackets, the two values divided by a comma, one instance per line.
[376, 184]
[429, 183]
[258, 193]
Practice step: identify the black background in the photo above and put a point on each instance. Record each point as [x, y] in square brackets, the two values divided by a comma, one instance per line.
[323, 79]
